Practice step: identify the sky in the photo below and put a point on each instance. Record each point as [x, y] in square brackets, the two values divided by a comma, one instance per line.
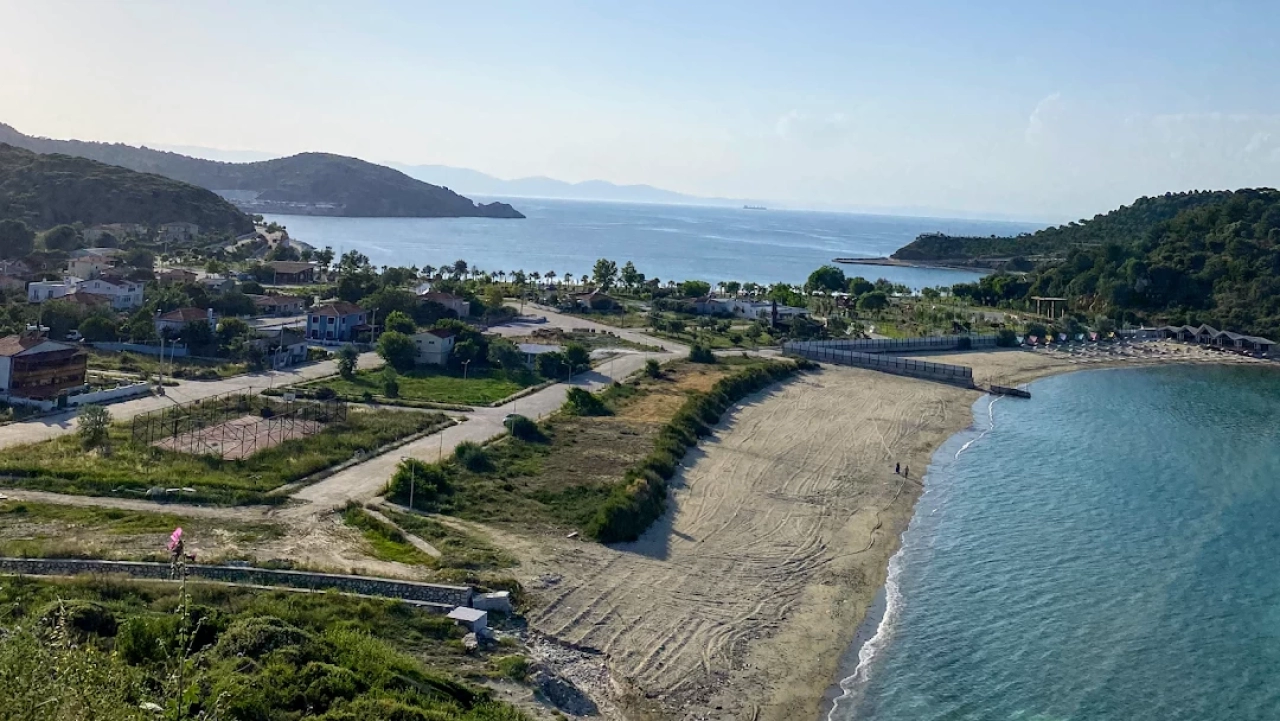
[1029, 108]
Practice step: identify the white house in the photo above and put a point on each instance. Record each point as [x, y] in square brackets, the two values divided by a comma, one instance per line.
[41, 290]
[433, 346]
[172, 323]
[748, 309]
[533, 350]
[124, 295]
[89, 266]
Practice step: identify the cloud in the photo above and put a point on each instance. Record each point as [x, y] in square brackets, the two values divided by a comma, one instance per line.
[815, 130]
[1043, 118]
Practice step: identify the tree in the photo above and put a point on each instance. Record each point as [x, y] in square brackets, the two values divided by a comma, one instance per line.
[605, 273]
[858, 286]
[62, 237]
[284, 252]
[550, 365]
[630, 276]
[348, 356]
[459, 268]
[577, 356]
[695, 288]
[675, 325]
[400, 322]
[235, 337]
[233, 304]
[324, 257]
[390, 382]
[699, 353]
[353, 261]
[732, 287]
[197, 335]
[930, 293]
[93, 425]
[98, 328]
[785, 295]
[16, 239]
[874, 301]
[506, 354]
[827, 278]
[398, 350]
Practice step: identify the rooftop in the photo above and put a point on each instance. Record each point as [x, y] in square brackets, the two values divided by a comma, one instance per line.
[337, 308]
[468, 615]
[14, 344]
[538, 348]
[187, 315]
[290, 266]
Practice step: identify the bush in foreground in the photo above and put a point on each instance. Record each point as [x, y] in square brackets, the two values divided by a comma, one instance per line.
[579, 402]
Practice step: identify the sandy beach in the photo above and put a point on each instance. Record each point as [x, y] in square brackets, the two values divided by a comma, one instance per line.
[741, 601]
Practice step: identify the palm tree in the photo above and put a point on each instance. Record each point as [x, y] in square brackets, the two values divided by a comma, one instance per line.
[585, 279]
[536, 277]
[502, 275]
[550, 275]
[459, 269]
[720, 287]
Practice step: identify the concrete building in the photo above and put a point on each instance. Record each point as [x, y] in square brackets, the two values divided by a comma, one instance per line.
[124, 295]
[594, 300]
[282, 305]
[746, 309]
[472, 619]
[457, 304]
[32, 366]
[178, 232]
[339, 321]
[433, 346]
[176, 276]
[40, 291]
[119, 231]
[89, 266]
[218, 284]
[171, 324]
[13, 274]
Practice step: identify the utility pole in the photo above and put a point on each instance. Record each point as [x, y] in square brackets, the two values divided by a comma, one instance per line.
[412, 479]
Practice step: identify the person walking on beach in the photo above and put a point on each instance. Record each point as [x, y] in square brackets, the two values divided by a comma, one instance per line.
[897, 469]
[907, 473]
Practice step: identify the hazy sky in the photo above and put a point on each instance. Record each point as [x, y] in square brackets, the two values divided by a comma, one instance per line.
[1028, 107]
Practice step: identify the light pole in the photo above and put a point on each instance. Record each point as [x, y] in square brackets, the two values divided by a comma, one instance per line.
[465, 363]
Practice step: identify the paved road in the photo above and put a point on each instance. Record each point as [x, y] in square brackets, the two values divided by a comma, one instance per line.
[366, 480]
[46, 427]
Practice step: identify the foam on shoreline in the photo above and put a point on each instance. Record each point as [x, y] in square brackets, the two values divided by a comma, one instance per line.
[876, 629]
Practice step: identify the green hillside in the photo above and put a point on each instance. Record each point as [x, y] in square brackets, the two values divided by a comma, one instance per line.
[309, 183]
[1214, 262]
[1125, 224]
[46, 190]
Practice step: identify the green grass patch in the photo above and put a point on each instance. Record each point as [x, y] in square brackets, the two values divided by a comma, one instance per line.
[481, 386]
[459, 549]
[99, 648]
[188, 368]
[388, 542]
[130, 469]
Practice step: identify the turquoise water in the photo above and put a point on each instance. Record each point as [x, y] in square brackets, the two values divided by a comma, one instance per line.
[669, 242]
[1108, 551]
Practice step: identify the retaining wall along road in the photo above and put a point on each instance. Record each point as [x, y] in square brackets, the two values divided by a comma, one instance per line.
[364, 585]
[903, 345]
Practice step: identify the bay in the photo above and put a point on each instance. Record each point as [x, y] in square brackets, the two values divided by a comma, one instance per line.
[1104, 552]
[669, 242]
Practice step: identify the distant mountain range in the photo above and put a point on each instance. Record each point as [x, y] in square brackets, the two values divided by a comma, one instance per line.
[307, 184]
[464, 180]
[46, 190]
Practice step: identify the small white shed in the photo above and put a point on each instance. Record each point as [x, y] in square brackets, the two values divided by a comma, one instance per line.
[473, 619]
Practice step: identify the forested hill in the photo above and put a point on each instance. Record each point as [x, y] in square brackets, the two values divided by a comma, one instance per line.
[1215, 262]
[46, 190]
[1128, 223]
[309, 183]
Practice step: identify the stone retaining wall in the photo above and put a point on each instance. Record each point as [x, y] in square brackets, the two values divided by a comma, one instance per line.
[364, 585]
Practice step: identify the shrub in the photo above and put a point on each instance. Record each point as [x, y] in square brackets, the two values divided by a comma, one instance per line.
[430, 483]
[347, 358]
[257, 637]
[525, 429]
[81, 618]
[390, 386]
[699, 353]
[641, 498]
[325, 393]
[473, 457]
[652, 368]
[94, 422]
[1006, 338]
[579, 402]
[515, 668]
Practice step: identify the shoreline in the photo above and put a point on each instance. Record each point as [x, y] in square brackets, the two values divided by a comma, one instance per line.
[850, 661]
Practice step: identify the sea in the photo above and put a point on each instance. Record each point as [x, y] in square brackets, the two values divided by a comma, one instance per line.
[668, 242]
[1106, 551]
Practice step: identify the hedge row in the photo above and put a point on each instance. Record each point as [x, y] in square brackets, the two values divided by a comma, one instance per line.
[641, 498]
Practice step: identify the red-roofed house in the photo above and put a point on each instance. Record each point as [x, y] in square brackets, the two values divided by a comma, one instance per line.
[338, 321]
